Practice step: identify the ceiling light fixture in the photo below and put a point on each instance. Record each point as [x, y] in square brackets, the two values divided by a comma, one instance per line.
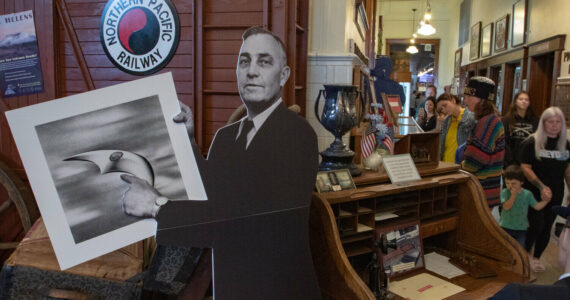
[412, 49]
[426, 28]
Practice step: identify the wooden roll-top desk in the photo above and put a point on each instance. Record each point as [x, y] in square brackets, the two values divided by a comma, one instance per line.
[453, 214]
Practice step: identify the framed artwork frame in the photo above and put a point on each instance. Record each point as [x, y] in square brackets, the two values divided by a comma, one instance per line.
[457, 60]
[334, 181]
[74, 150]
[486, 40]
[361, 20]
[501, 33]
[401, 249]
[475, 41]
[519, 23]
[392, 105]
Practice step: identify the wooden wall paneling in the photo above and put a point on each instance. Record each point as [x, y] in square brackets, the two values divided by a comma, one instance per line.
[540, 81]
[11, 228]
[218, 29]
[85, 16]
[63, 13]
[218, 41]
[43, 19]
[508, 84]
[301, 44]
[279, 24]
[555, 74]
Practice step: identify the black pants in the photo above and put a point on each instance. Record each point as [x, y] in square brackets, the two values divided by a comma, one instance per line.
[540, 223]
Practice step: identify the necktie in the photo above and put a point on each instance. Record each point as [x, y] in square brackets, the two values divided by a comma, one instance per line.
[245, 129]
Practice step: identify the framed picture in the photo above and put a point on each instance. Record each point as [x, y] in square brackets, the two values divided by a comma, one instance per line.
[486, 40]
[519, 23]
[74, 150]
[334, 181]
[361, 20]
[392, 105]
[501, 33]
[475, 41]
[401, 249]
[457, 64]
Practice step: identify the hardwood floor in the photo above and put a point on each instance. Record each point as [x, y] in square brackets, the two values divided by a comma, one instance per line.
[550, 261]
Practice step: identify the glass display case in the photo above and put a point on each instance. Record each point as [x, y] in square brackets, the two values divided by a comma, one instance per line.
[407, 125]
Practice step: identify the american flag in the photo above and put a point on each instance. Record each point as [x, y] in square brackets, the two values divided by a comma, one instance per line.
[368, 142]
[387, 141]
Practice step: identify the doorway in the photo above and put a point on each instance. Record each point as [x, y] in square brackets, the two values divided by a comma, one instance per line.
[540, 81]
[512, 84]
[416, 71]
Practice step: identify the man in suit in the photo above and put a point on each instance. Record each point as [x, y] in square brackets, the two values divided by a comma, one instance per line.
[258, 176]
[561, 288]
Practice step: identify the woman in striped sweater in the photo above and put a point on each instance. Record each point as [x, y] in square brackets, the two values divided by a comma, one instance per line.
[485, 149]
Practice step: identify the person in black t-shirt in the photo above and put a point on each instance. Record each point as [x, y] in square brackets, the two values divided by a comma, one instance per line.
[519, 122]
[545, 162]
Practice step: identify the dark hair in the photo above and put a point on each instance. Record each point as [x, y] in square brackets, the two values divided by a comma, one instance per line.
[255, 30]
[447, 97]
[483, 108]
[432, 99]
[510, 115]
[514, 172]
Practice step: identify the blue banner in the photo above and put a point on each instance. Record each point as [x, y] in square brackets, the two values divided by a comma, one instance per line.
[20, 68]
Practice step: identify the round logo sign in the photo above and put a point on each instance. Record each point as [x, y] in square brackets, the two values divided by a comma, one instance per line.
[139, 36]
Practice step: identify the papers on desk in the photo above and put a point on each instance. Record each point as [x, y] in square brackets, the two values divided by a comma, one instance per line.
[385, 215]
[424, 287]
[440, 265]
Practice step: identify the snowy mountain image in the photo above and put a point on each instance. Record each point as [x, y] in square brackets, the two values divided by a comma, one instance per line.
[16, 39]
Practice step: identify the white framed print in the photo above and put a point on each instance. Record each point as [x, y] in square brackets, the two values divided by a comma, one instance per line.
[74, 150]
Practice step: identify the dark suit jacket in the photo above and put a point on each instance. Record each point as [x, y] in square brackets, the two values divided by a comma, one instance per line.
[256, 216]
[560, 290]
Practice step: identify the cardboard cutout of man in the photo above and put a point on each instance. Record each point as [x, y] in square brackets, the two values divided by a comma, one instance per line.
[558, 290]
[259, 176]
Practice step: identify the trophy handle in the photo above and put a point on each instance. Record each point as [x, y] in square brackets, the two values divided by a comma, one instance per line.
[317, 105]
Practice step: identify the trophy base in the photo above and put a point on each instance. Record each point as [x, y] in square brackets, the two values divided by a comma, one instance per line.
[336, 161]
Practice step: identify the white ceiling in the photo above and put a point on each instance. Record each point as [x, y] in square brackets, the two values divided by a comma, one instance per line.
[402, 9]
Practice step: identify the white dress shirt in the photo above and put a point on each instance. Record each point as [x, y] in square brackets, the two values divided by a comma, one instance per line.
[258, 121]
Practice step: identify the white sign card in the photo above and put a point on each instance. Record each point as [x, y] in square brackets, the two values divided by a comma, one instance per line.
[401, 168]
[74, 150]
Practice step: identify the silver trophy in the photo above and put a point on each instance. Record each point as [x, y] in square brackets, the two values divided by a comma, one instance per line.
[339, 115]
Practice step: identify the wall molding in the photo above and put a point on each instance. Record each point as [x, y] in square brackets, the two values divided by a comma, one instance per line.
[335, 59]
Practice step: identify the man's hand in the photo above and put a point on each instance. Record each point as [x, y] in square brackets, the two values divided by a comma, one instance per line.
[139, 200]
[185, 116]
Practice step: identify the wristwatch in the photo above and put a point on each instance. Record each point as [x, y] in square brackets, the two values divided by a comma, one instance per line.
[160, 201]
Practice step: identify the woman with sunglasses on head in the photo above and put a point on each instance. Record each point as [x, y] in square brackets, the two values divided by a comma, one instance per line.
[520, 122]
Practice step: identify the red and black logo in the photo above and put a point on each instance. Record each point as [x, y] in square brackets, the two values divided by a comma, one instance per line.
[140, 36]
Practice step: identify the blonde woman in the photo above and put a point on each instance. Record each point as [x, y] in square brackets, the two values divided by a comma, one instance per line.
[544, 159]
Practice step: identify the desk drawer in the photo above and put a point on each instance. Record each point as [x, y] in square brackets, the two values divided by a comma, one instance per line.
[440, 226]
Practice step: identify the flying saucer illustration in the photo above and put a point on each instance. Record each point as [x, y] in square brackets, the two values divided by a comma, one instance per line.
[110, 161]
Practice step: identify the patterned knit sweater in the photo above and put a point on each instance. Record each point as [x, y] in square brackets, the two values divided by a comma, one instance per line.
[483, 156]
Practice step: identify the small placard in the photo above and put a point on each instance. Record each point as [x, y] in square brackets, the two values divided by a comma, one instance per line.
[400, 168]
[334, 181]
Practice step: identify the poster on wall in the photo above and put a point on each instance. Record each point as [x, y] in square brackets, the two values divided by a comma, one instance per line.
[20, 68]
[74, 150]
